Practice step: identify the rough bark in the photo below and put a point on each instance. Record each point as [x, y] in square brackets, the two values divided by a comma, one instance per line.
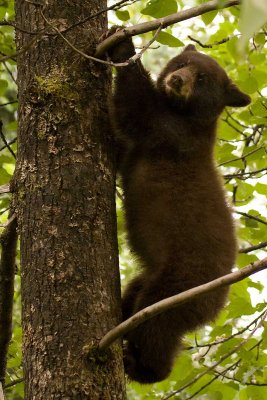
[65, 184]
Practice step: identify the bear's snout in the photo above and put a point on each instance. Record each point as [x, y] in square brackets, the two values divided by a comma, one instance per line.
[180, 82]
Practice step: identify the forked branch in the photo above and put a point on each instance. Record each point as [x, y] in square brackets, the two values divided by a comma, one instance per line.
[163, 22]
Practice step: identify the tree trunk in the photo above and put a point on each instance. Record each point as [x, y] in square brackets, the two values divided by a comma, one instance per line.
[65, 184]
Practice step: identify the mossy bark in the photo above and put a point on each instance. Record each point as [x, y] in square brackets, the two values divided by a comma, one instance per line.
[65, 185]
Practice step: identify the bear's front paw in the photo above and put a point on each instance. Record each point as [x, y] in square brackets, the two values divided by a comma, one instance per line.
[121, 51]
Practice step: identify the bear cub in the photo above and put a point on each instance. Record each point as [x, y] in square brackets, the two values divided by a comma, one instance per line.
[178, 222]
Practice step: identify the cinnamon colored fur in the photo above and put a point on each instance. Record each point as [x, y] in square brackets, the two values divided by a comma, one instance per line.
[178, 221]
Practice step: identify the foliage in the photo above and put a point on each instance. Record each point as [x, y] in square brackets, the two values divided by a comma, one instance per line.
[241, 154]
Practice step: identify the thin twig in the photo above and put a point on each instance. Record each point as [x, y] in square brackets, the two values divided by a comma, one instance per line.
[13, 383]
[209, 46]
[240, 332]
[9, 72]
[80, 51]
[137, 56]
[5, 141]
[245, 175]
[9, 221]
[249, 216]
[212, 367]
[9, 102]
[115, 7]
[242, 157]
[23, 49]
[8, 144]
[252, 248]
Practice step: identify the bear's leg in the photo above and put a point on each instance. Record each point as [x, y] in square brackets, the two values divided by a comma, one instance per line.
[129, 296]
[151, 347]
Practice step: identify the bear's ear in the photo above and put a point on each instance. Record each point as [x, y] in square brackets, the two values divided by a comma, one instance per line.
[190, 47]
[235, 98]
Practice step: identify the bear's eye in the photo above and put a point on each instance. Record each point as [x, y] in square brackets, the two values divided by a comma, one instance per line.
[182, 65]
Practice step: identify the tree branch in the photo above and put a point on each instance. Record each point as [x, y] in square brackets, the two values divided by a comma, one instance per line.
[1, 392]
[249, 216]
[224, 357]
[164, 22]
[8, 241]
[252, 248]
[5, 141]
[23, 49]
[174, 301]
[220, 341]
[4, 188]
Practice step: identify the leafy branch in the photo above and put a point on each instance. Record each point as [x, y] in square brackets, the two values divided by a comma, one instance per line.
[156, 24]
[224, 357]
[226, 339]
[163, 22]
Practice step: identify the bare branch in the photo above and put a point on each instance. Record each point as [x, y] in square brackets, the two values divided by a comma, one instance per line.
[224, 357]
[1, 392]
[13, 383]
[249, 216]
[252, 248]
[5, 141]
[8, 144]
[8, 241]
[23, 49]
[242, 157]
[164, 22]
[9, 102]
[174, 301]
[245, 175]
[4, 189]
[116, 6]
[238, 333]
[209, 46]
[9, 221]
[230, 367]
[80, 51]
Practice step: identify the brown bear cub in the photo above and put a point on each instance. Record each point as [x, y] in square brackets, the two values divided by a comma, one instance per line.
[178, 221]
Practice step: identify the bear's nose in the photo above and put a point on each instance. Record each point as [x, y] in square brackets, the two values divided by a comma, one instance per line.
[177, 80]
[181, 78]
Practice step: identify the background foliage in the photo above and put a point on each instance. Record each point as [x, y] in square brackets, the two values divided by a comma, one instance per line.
[241, 155]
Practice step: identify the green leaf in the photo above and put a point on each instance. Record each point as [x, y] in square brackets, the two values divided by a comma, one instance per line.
[261, 188]
[253, 17]
[259, 108]
[168, 39]
[123, 15]
[4, 176]
[3, 86]
[160, 8]
[256, 392]
[244, 259]
[260, 38]
[249, 86]
[208, 17]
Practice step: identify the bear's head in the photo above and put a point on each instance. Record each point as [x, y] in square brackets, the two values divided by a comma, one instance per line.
[196, 84]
